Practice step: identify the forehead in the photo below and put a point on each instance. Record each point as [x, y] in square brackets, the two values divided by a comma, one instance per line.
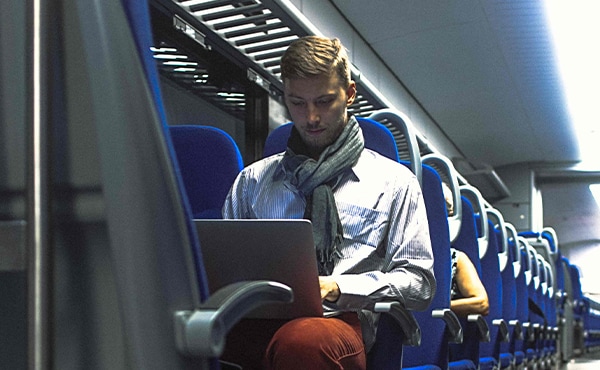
[311, 87]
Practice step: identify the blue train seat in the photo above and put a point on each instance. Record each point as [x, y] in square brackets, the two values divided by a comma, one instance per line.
[509, 274]
[523, 306]
[439, 325]
[522, 280]
[475, 327]
[209, 161]
[377, 137]
[566, 322]
[552, 315]
[535, 355]
[491, 264]
[579, 309]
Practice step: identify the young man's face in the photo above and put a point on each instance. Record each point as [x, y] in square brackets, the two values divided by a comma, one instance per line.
[318, 108]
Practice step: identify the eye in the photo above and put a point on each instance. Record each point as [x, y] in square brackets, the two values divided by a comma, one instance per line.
[324, 101]
[297, 103]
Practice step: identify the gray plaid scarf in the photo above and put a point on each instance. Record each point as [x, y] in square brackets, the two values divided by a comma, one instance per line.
[314, 180]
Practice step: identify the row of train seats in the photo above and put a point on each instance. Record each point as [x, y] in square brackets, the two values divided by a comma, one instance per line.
[534, 293]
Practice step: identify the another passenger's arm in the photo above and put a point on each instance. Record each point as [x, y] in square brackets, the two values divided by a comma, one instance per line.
[471, 287]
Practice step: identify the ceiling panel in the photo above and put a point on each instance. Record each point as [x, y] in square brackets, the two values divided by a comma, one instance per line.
[484, 70]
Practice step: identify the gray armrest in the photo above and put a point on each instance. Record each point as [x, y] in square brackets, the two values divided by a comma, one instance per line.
[455, 330]
[482, 327]
[555, 332]
[404, 318]
[202, 332]
[529, 330]
[518, 330]
[503, 329]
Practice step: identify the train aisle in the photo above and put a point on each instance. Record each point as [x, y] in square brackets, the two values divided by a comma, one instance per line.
[590, 361]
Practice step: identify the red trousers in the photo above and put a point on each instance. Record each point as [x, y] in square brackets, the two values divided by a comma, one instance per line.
[303, 343]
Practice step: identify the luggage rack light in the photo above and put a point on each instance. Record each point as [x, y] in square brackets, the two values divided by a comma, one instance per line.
[190, 31]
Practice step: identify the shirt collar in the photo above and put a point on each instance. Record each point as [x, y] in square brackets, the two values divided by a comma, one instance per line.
[361, 167]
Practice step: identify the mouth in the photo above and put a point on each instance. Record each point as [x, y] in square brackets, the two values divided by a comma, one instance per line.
[315, 132]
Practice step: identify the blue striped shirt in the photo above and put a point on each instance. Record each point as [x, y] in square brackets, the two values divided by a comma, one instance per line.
[386, 252]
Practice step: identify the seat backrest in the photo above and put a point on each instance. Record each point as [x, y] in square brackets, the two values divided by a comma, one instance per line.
[492, 281]
[435, 342]
[549, 234]
[508, 274]
[509, 288]
[544, 244]
[535, 286]
[567, 309]
[377, 137]
[449, 177]
[522, 295]
[467, 243]
[576, 289]
[404, 135]
[551, 303]
[467, 238]
[477, 202]
[542, 297]
[209, 161]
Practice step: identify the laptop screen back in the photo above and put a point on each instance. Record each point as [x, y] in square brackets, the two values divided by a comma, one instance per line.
[275, 250]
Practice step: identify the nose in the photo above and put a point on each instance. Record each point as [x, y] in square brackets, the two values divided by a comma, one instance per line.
[312, 114]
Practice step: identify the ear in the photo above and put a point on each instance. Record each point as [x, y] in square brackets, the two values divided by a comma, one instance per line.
[350, 93]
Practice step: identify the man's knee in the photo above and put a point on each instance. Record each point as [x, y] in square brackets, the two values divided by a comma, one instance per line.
[316, 343]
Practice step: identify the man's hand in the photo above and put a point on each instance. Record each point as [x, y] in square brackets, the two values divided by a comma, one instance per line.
[329, 289]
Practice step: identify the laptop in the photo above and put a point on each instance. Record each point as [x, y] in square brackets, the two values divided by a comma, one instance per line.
[275, 250]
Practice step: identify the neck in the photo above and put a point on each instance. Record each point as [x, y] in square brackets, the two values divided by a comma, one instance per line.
[314, 153]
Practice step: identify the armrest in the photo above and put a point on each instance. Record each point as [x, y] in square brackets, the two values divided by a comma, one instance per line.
[518, 330]
[482, 327]
[455, 330]
[529, 330]
[410, 328]
[202, 332]
[561, 297]
[503, 329]
[556, 331]
[545, 331]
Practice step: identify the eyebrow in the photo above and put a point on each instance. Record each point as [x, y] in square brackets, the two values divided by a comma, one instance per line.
[317, 98]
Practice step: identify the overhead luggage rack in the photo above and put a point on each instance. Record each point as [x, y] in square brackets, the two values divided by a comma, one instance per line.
[249, 26]
[254, 33]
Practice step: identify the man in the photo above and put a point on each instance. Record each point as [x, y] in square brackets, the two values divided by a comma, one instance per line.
[370, 226]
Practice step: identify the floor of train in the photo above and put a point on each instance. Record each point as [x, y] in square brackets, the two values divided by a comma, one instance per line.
[588, 361]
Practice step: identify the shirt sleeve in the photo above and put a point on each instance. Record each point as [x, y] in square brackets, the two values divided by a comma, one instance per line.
[407, 273]
[234, 206]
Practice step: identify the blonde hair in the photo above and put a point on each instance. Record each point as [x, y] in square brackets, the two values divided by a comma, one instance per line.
[313, 56]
